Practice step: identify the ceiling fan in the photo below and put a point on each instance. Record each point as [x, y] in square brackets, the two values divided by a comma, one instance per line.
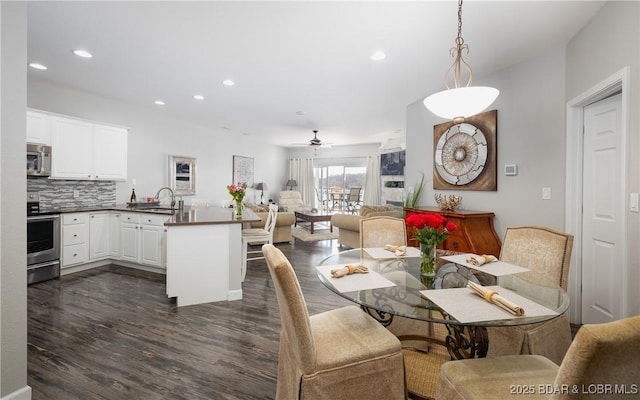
[315, 141]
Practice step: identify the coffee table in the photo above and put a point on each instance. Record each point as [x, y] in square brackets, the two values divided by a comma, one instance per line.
[313, 217]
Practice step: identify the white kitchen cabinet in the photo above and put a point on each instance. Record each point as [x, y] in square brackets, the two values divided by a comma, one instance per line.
[38, 128]
[142, 238]
[115, 228]
[72, 148]
[87, 151]
[110, 153]
[75, 239]
[99, 232]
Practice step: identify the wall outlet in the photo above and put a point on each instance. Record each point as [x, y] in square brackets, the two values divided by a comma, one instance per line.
[546, 193]
[76, 194]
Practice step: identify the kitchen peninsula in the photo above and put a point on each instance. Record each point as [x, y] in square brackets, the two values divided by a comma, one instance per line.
[198, 248]
[203, 251]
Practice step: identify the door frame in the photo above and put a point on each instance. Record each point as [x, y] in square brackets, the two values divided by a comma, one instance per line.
[617, 82]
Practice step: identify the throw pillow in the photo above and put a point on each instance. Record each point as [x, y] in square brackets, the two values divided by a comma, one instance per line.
[257, 207]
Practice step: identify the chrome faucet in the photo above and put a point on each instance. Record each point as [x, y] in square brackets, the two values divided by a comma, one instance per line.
[173, 198]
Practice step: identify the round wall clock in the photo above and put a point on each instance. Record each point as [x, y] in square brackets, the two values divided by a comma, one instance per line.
[461, 154]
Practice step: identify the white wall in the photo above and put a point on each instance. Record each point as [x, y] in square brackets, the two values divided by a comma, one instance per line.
[153, 136]
[361, 150]
[530, 134]
[609, 42]
[13, 276]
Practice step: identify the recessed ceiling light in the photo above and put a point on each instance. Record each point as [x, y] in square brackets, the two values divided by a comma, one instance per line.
[82, 53]
[378, 56]
[301, 112]
[228, 82]
[37, 66]
[159, 102]
[198, 97]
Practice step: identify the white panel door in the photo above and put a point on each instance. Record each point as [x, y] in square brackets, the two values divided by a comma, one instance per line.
[603, 211]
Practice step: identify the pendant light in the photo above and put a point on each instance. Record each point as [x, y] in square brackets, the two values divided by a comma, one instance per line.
[459, 102]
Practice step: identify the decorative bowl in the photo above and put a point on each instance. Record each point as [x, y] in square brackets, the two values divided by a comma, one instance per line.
[448, 202]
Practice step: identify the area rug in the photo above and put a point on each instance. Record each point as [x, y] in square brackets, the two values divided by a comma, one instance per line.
[302, 233]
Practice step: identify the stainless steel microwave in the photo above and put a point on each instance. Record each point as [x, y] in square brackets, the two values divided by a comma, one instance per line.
[38, 159]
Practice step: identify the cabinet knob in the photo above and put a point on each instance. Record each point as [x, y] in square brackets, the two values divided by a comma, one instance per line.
[75, 254]
[75, 235]
[93, 216]
[455, 245]
[88, 176]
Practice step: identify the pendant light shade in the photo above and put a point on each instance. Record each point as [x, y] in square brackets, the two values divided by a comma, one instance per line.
[459, 102]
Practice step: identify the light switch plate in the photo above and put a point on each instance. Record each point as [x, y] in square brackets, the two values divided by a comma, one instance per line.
[546, 193]
[633, 202]
[511, 169]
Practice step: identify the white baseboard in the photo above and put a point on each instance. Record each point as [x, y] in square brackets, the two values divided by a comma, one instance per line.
[24, 393]
[234, 295]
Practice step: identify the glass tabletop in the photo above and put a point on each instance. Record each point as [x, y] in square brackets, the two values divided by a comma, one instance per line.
[405, 299]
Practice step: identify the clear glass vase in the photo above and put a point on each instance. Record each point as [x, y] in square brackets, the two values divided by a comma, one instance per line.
[239, 208]
[427, 259]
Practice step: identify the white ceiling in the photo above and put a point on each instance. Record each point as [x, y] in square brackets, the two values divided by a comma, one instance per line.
[287, 57]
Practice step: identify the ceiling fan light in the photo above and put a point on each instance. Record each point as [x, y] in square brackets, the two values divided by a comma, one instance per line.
[461, 102]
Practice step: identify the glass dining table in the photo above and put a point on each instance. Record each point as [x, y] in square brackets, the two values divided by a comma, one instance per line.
[407, 295]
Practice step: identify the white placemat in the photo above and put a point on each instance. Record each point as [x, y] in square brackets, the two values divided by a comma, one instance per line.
[497, 268]
[466, 306]
[353, 282]
[381, 253]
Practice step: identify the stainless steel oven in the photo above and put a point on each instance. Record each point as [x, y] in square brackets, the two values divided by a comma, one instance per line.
[43, 242]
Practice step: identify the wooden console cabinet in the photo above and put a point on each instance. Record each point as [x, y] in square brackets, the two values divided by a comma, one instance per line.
[474, 233]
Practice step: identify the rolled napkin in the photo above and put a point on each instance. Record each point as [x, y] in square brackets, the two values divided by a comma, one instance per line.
[348, 270]
[493, 297]
[481, 260]
[398, 250]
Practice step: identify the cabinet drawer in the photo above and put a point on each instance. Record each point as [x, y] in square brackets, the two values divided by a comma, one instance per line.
[130, 217]
[457, 243]
[73, 219]
[74, 234]
[150, 219]
[75, 254]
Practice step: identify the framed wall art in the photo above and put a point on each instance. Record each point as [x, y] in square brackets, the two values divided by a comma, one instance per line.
[243, 170]
[465, 156]
[182, 175]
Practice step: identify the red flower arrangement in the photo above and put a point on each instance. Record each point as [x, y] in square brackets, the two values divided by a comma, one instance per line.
[431, 229]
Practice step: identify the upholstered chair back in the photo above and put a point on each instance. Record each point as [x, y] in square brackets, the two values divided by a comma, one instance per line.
[602, 353]
[379, 231]
[294, 317]
[541, 249]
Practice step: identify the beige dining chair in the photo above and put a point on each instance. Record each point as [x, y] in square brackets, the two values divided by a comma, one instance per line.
[257, 236]
[422, 359]
[547, 252]
[337, 354]
[601, 354]
[380, 231]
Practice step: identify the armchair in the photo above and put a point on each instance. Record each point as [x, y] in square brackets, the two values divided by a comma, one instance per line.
[291, 200]
[600, 354]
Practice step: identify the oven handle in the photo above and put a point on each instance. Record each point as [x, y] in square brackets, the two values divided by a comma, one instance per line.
[43, 217]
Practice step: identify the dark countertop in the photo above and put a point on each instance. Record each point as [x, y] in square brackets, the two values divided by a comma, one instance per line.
[188, 216]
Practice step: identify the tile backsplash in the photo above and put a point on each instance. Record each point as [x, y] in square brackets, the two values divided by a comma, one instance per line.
[56, 194]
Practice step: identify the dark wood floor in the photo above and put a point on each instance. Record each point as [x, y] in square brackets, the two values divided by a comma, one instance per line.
[111, 333]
